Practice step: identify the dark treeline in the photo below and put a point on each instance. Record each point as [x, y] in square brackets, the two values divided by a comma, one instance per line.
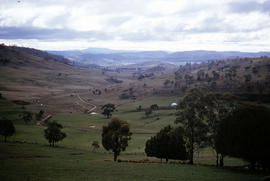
[220, 121]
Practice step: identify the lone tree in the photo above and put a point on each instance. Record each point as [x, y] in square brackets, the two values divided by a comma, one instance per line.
[53, 133]
[190, 114]
[168, 143]
[108, 109]
[115, 136]
[27, 116]
[6, 128]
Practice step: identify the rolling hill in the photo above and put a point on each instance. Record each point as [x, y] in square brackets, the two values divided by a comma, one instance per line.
[107, 57]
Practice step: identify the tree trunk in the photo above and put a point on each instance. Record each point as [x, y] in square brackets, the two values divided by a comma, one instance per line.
[5, 139]
[217, 158]
[221, 163]
[191, 157]
[115, 156]
[167, 160]
[191, 153]
[252, 165]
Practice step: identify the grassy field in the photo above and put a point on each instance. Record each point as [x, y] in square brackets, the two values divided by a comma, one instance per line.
[40, 162]
[27, 155]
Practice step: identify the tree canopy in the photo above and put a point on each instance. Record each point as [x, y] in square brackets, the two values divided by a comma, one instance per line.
[168, 143]
[191, 113]
[217, 107]
[245, 134]
[27, 116]
[6, 128]
[108, 109]
[53, 133]
[115, 136]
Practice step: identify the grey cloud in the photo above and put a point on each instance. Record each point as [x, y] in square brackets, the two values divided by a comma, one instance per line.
[116, 21]
[216, 24]
[67, 34]
[249, 6]
[56, 34]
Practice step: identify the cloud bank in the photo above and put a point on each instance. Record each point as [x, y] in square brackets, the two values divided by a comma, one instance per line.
[241, 25]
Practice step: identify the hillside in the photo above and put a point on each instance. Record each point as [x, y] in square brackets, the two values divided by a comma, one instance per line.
[238, 76]
[40, 78]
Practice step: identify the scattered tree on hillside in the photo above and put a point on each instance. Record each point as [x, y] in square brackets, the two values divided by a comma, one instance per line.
[248, 78]
[4, 61]
[96, 92]
[6, 128]
[113, 80]
[260, 86]
[154, 107]
[108, 109]
[213, 85]
[167, 83]
[115, 136]
[188, 79]
[128, 94]
[27, 116]
[39, 115]
[139, 108]
[215, 75]
[245, 134]
[53, 133]
[144, 85]
[168, 143]
[190, 114]
[148, 112]
[255, 70]
[200, 75]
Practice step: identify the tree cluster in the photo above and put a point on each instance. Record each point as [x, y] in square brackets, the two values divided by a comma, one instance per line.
[230, 127]
[168, 143]
[245, 133]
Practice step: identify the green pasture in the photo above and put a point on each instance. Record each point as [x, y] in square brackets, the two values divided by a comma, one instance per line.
[29, 162]
[27, 155]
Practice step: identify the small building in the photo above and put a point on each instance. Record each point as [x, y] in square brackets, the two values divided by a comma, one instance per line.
[174, 104]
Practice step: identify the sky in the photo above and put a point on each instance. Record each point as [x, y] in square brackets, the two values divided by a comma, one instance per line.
[171, 25]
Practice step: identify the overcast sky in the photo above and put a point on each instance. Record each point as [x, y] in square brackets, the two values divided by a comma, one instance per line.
[173, 25]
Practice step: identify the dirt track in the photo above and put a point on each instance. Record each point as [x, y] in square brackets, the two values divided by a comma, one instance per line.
[89, 110]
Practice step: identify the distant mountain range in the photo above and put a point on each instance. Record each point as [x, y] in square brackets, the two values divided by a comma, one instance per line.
[108, 57]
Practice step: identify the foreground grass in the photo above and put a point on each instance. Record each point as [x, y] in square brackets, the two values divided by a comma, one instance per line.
[40, 162]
